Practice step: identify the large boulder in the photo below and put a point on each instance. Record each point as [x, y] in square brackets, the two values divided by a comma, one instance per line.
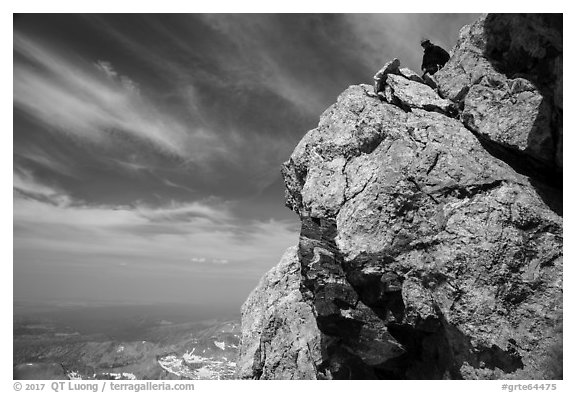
[423, 255]
[427, 251]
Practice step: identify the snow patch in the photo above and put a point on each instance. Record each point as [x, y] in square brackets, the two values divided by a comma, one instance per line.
[123, 376]
[74, 376]
[191, 358]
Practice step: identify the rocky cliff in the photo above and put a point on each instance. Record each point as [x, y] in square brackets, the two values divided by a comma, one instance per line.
[280, 339]
[431, 240]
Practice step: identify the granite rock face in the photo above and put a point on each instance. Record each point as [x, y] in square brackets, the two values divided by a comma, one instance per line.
[506, 73]
[280, 339]
[429, 249]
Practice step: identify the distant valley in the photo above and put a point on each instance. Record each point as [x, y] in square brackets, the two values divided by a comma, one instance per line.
[125, 342]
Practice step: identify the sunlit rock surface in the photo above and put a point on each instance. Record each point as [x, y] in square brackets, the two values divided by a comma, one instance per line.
[431, 240]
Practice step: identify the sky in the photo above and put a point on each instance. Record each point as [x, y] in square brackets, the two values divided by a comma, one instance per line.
[147, 148]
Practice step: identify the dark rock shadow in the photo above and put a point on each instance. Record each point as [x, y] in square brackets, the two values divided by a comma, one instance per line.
[437, 350]
[537, 61]
[432, 348]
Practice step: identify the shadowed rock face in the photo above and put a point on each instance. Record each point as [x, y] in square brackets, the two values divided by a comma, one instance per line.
[425, 252]
[506, 73]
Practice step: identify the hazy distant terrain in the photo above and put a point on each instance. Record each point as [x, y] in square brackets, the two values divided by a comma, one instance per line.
[124, 342]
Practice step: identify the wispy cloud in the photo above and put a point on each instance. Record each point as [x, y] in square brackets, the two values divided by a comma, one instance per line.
[199, 235]
[128, 84]
[24, 183]
[241, 53]
[265, 62]
[94, 103]
[91, 102]
[42, 158]
[206, 260]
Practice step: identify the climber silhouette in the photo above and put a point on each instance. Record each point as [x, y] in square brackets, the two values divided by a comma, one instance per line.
[434, 57]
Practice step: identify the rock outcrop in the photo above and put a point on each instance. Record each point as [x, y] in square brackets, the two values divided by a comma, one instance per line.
[431, 241]
[506, 73]
[280, 339]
